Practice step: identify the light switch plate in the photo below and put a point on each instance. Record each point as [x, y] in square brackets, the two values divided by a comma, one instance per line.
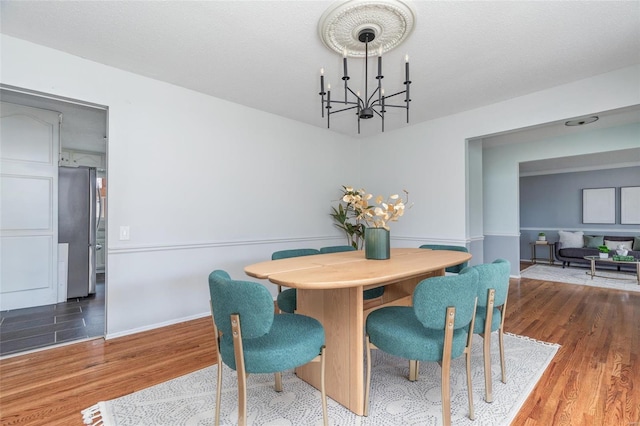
[124, 233]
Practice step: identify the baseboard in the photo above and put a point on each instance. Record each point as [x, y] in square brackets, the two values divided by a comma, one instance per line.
[110, 336]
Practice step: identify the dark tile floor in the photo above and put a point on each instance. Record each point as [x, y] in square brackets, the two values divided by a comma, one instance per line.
[33, 328]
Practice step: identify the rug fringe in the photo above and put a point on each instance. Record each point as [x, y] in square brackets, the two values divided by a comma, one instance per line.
[93, 416]
[519, 336]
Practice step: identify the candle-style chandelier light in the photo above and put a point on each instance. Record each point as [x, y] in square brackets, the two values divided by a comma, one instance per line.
[355, 28]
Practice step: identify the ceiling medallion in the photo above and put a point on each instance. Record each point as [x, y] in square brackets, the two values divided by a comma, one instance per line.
[354, 29]
[390, 20]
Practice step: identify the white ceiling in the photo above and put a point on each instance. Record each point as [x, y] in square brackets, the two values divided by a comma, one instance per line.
[267, 54]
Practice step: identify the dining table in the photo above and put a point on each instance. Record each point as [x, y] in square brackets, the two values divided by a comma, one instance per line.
[329, 288]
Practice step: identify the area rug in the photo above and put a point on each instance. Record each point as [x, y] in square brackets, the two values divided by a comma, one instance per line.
[582, 275]
[190, 400]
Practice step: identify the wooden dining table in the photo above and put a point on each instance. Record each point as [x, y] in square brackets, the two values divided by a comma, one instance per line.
[329, 288]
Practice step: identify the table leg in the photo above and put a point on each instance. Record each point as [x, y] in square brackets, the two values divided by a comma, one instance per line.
[341, 313]
[593, 268]
[533, 253]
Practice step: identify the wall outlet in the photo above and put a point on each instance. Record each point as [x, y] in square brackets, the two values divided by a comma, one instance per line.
[124, 233]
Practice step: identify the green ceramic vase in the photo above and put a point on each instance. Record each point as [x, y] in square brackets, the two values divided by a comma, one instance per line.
[376, 243]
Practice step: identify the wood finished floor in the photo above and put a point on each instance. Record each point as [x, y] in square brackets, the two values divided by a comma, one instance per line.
[593, 380]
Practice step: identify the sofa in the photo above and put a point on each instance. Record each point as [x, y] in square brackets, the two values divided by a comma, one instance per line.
[573, 246]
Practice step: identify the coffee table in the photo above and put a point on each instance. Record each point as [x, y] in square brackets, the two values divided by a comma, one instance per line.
[596, 259]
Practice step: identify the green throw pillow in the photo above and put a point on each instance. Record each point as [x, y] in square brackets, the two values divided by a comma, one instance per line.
[593, 241]
[636, 244]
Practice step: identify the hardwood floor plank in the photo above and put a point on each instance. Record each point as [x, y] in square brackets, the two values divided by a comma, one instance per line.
[593, 379]
[51, 387]
[596, 328]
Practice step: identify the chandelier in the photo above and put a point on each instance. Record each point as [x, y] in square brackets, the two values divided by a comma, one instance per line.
[355, 28]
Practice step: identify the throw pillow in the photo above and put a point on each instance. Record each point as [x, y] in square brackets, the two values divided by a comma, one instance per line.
[613, 245]
[571, 239]
[636, 243]
[593, 241]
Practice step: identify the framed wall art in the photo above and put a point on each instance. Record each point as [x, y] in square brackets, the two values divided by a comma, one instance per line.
[599, 205]
[630, 205]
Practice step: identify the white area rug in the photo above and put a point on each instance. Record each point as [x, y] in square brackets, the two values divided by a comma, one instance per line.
[190, 400]
[577, 275]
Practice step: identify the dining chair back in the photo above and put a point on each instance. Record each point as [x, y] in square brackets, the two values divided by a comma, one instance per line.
[493, 289]
[455, 269]
[437, 328]
[287, 299]
[251, 339]
[336, 249]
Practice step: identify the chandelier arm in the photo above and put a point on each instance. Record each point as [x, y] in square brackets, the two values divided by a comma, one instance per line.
[395, 94]
[396, 106]
[343, 109]
[371, 97]
[356, 95]
[347, 103]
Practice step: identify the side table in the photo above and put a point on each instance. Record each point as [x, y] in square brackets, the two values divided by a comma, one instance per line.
[550, 246]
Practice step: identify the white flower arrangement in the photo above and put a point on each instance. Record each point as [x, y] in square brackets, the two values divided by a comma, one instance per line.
[381, 213]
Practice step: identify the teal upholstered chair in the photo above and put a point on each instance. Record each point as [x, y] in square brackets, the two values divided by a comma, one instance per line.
[372, 293]
[455, 269]
[251, 339]
[436, 328]
[287, 298]
[493, 288]
[336, 249]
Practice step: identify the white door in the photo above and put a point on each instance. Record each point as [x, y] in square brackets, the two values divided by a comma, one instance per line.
[29, 141]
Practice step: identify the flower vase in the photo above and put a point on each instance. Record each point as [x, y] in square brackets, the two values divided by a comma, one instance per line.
[376, 243]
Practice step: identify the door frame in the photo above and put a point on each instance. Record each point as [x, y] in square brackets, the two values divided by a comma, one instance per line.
[38, 96]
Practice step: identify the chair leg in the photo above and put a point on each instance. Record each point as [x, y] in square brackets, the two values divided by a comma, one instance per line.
[414, 370]
[219, 361]
[278, 381]
[218, 390]
[446, 392]
[323, 392]
[446, 367]
[502, 363]
[503, 312]
[469, 384]
[242, 399]
[368, 384]
[467, 352]
[240, 369]
[486, 346]
[486, 349]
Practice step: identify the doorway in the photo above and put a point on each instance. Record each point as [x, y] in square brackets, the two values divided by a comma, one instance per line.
[69, 317]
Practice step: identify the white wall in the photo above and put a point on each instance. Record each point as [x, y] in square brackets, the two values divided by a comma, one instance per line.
[202, 183]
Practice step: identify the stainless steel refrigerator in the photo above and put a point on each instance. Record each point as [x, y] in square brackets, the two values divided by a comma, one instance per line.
[77, 207]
